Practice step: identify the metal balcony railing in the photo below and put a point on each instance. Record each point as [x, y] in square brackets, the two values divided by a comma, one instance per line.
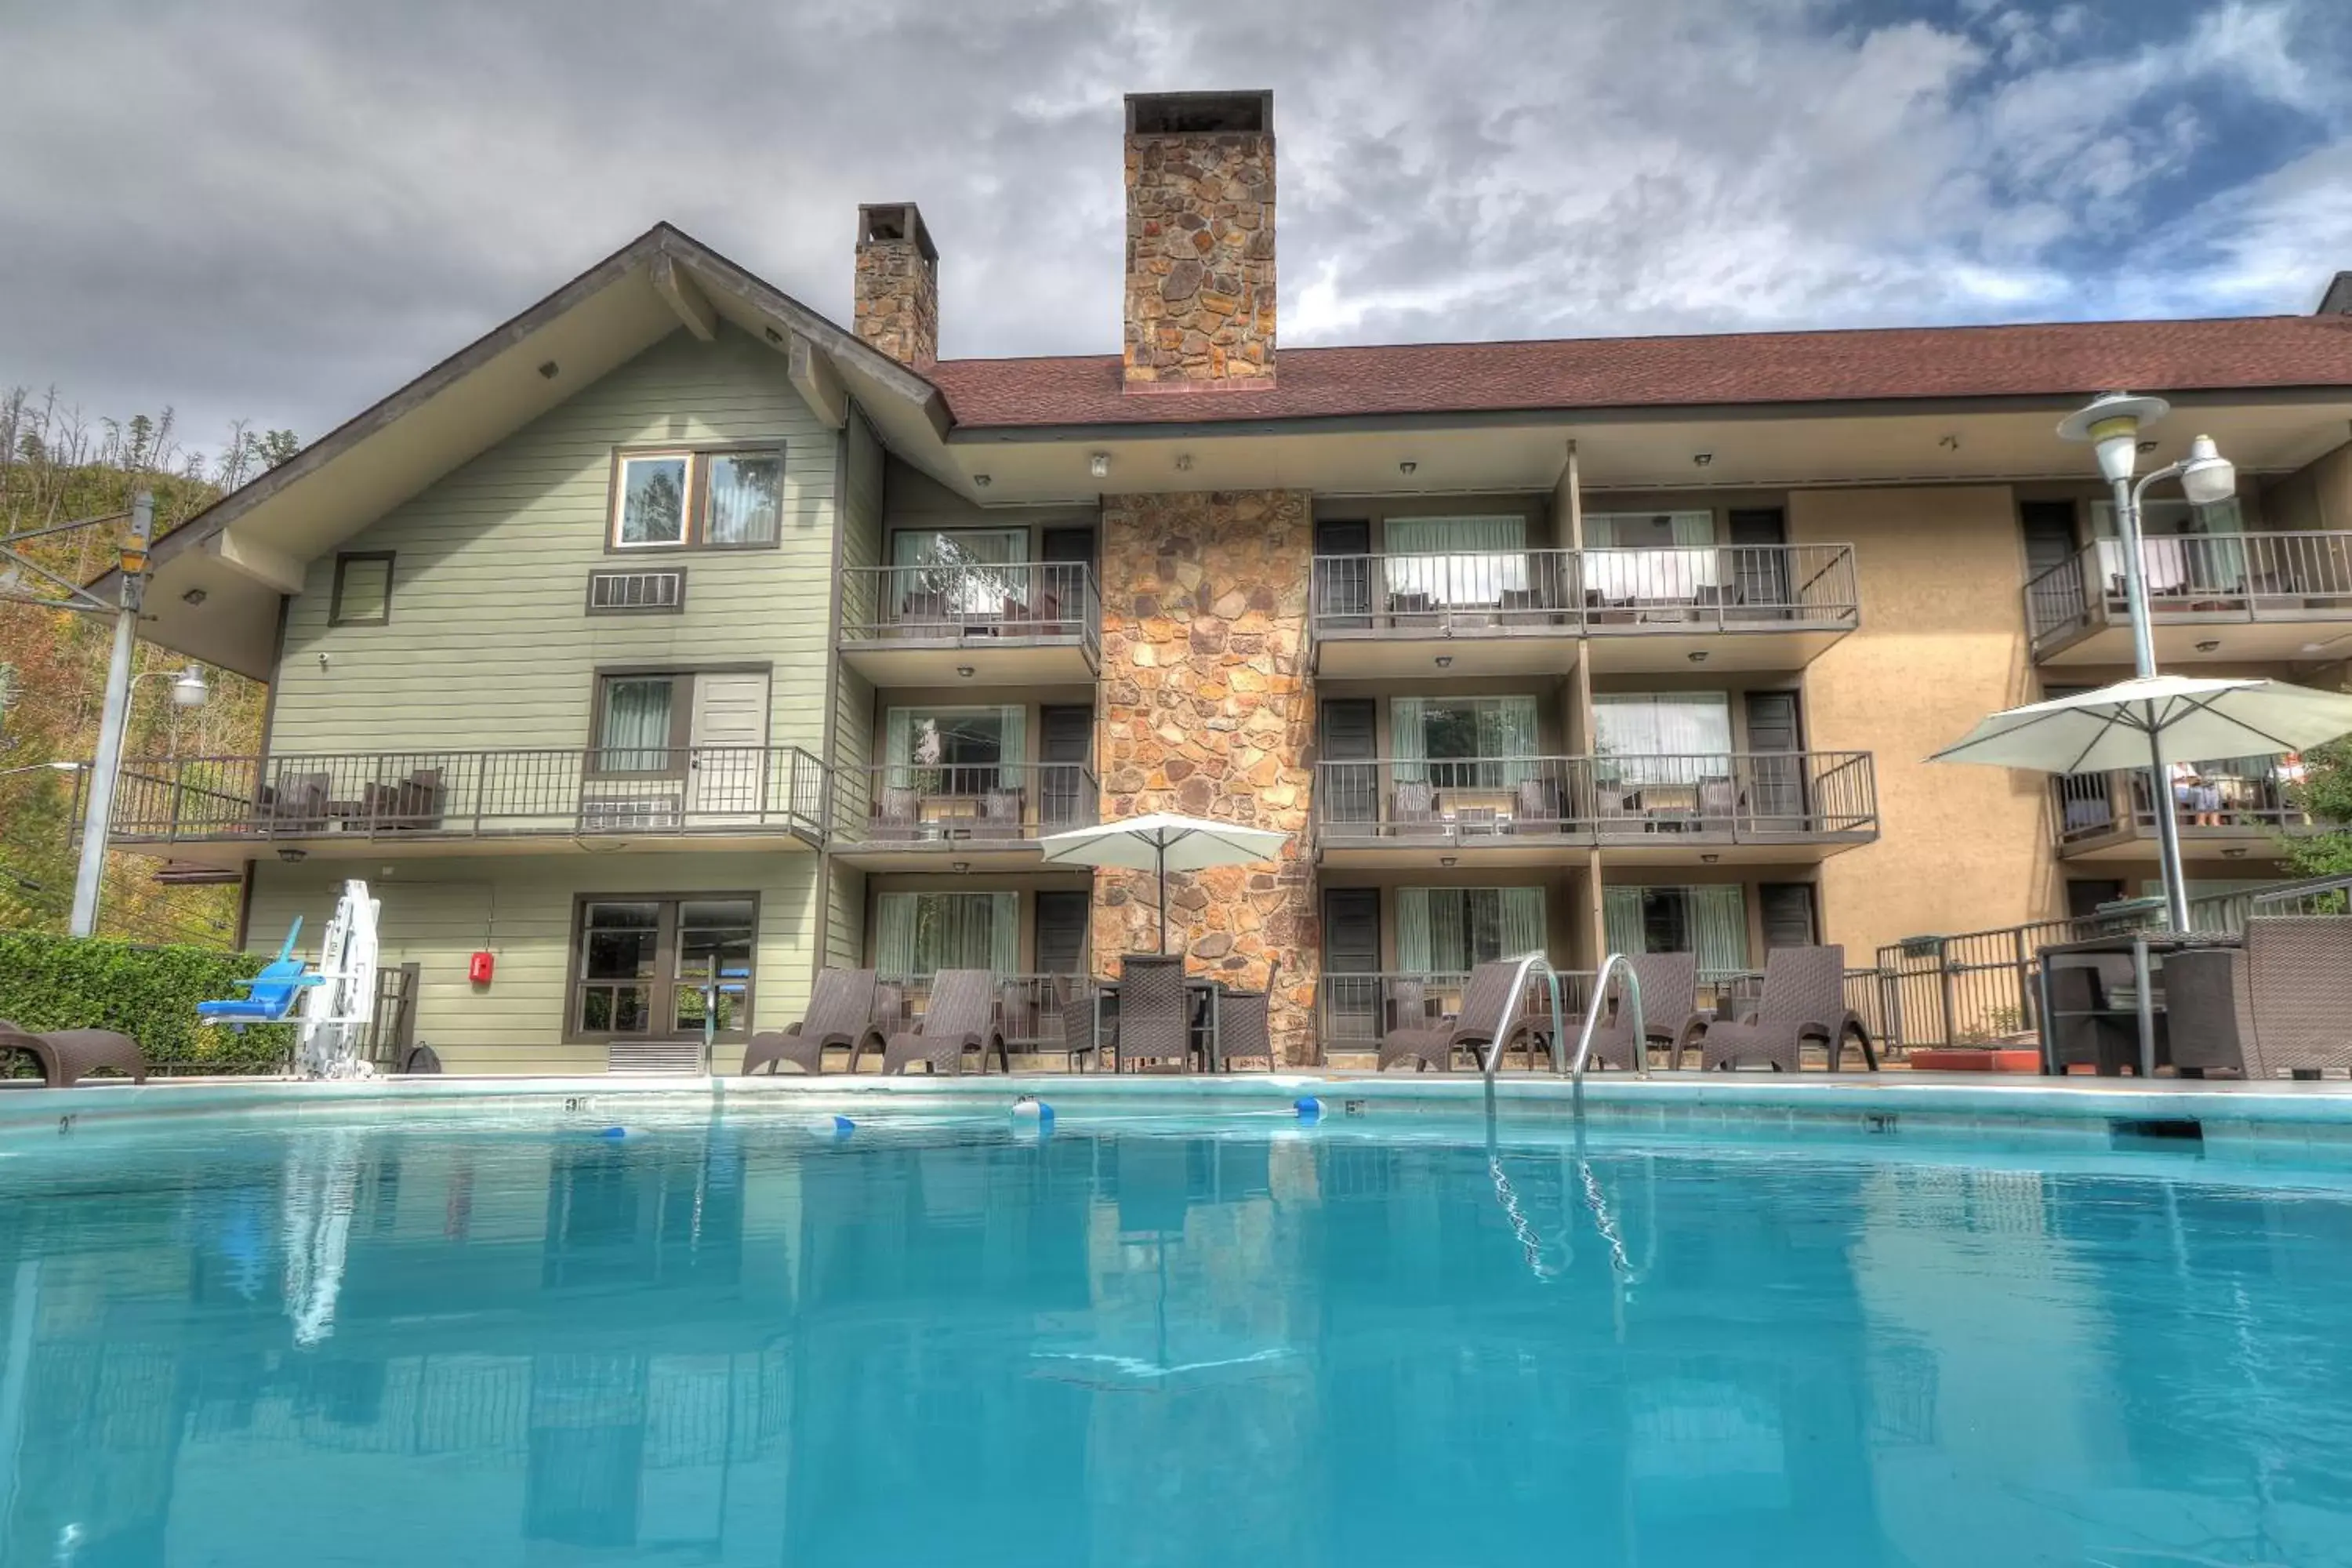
[1023, 602]
[2194, 578]
[962, 803]
[1353, 1012]
[636, 792]
[1764, 796]
[1673, 588]
[2090, 807]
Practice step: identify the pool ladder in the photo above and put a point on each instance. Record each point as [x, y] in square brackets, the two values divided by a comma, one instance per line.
[1534, 963]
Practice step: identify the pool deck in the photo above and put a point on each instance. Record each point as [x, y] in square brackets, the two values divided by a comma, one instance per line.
[2269, 1120]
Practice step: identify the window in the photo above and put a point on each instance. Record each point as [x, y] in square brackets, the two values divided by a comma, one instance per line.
[1463, 743]
[714, 500]
[1452, 930]
[651, 968]
[1650, 557]
[641, 724]
[1435, 561]
[962, 571]
[363, 589]
[1663, 737]
[2184, 549]
[915, 935]
[955, 751]
[1709, 920]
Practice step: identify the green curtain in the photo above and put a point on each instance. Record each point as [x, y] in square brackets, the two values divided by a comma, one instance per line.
[1408, 740]
[1449, 946]
[893, 935]
[898, 747]
[1506, 729]
[1523, 923]
[1003, 932]
[1621, 920]
[637, 725]
[1719, 928]
[1413, 930]
[1012, 751]
[1685, 730]
[918, 934]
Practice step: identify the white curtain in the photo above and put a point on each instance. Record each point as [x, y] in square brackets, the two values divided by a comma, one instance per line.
[1413, 930]
[1456, 559]
[745, 500]
[1408, 740]
[1718, 926]
[918, 934]
[1667, 737]
[1631, 564]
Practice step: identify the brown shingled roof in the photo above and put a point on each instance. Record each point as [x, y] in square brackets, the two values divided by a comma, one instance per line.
[2067, 359]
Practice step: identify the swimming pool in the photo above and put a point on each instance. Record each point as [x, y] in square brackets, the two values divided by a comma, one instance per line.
[1168, 1331]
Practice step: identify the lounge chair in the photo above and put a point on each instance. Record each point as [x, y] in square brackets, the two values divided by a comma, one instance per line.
[1155, 1010]
[1804, 999]
[1670, 1014]
[269, 995]
[961, 1017]
[1490, 1007]
[68, 1055]
[1245, 1022]
[840, 1017]
[2278, 1005]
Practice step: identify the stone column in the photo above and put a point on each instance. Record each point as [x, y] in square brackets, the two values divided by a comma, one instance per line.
[1207, 710]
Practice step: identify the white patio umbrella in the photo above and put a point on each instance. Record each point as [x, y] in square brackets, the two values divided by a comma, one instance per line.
[2152, 721]
[1162, 843]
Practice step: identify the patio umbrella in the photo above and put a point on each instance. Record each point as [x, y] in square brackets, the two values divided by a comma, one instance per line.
[2150, 722]
[1162, 843]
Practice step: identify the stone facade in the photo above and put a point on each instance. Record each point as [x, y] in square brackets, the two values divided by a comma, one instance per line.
[897, 303]
[1207, 710]
[1200, 258]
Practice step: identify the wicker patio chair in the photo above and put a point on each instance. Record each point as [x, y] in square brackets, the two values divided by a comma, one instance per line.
[2283, 1008]
[1244, 1023]
[1804, 999]
[1072, 1023]
[1670, 1014]
[68, 1056]
[1489, 1007]
[1155, 1010]
[961, 1017]
[1414, 809]
[840, 1017]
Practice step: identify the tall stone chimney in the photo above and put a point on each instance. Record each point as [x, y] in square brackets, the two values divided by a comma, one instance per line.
[1200, 241]
[897, 303]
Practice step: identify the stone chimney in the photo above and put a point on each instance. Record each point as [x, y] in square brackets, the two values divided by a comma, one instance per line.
[898, 305]
[1200, 241]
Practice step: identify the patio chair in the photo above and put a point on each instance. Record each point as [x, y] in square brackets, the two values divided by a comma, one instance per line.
[1536, 807]
[1072, 1024]
[1490, 1006]
[1804, 999]
[894, 814]
[2278, 1003]
[961, 1017]
[1244, 1024]
[68, 1056]
[999, 814]
[840, 1017]
[297, 803]
[1155, 1010]
[1670, 1015]
[1414, 809]
[1719, 802]
[269, 996]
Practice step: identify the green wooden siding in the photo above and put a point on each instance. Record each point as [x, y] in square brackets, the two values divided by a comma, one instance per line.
[438, 912]
[489, 645]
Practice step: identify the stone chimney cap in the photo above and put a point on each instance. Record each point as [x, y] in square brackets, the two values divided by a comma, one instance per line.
[1195, 113]
[881, 223]
[2337, 300]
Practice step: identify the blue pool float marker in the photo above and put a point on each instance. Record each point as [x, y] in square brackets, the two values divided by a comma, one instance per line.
[1309, 1109]
[1031, 1114]
[618, 1133]
[835, 1127]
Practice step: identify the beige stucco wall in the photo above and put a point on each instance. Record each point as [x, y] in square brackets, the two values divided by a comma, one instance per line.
[1942, 644]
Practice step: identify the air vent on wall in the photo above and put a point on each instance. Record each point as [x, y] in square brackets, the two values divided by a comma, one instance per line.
[658, 591]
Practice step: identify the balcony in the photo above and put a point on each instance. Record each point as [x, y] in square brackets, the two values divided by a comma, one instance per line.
[223, 810]
[935, 817]
[2251, 596]
[1014, 623]
[2112, 817]
[1734, 607]
[1515, 811]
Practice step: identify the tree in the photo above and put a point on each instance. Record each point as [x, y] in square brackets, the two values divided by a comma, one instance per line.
[2326, 794]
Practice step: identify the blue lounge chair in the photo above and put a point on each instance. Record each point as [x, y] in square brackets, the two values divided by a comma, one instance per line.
[270, 995]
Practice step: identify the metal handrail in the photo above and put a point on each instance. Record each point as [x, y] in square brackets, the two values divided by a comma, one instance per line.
[1518, 996]
[1593, 1020]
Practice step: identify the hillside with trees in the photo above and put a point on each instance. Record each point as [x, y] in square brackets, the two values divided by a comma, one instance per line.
[56, 464]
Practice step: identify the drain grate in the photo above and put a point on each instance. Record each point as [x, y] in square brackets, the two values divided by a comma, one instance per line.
[2184, 1130]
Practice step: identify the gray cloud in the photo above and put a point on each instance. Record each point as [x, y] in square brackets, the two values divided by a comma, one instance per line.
[282, 210]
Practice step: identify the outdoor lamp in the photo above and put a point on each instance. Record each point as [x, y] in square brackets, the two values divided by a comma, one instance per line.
[189, 690]
[2206, 476]
[2112, 423]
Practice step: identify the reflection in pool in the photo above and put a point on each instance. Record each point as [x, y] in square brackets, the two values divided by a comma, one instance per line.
[727, 1341]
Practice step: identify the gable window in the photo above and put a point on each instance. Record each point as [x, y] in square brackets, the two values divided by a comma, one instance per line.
[688, 500]
[363, 589]
[1452, 930]
[651, 968]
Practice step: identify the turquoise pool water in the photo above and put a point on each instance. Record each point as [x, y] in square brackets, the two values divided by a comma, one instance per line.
[459, 1339]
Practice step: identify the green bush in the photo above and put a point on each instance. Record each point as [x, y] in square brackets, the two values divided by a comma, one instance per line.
[150, 993]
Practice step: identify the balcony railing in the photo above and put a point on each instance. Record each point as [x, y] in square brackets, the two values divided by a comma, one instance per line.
[1021, 601]
[2100, 805]
[1027, 1006]
[636, 792]
[1713, 587]
[2195, 578]
[976, 803]
[1760, 797]
[1353, 1012]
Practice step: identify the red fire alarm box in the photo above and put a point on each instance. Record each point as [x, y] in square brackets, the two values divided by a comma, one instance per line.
[478, 968]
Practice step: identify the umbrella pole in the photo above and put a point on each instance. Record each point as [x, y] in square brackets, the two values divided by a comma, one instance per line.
[2168, 829]
[1161, 852]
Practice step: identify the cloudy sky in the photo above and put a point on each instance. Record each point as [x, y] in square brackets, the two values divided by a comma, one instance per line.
[282, 210]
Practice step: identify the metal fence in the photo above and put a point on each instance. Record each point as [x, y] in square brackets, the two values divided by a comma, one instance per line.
[971, 604]
[962, 803]
[2218, 577]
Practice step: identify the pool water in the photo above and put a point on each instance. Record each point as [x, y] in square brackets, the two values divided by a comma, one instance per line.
[458, 1339]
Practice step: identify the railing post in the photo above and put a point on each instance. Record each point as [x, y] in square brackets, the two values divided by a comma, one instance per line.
[2025, 1008]
[481, 787]
[1947, 993]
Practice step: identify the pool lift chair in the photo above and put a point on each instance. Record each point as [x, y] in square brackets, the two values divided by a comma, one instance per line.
[337, 1003]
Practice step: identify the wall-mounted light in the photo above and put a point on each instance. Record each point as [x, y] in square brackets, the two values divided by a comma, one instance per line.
[1407, 467]
[1445, 661]
[322, 664]
[547, 372]
[1098, 465]
[189, 690]
[1447, 860]
[1701, 459]
[964, 670]
[1708, 859]
[2237, 854]
[2148, 445]
[2210, 645]
[293, 856]
[774, 336]
[193, 597]
[981, 481]
[1183, 462]
[959, 867]
[1697, 656]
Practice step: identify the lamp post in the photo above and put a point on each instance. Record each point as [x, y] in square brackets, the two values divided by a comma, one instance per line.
[2112, 423]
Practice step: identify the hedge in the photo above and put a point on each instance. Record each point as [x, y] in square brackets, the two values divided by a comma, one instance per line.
[49, 981]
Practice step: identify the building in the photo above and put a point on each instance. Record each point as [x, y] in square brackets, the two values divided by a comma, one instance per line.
[671, 625]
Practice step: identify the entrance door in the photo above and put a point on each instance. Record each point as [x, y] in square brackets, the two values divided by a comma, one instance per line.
[1351, 960]
[1760, 575]
[1069, 556]
[1065, 741]
[1789, 916]
[1350, 777]
[1343, 573]
[1776, 796]
[1062, 933]
[726, 759]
